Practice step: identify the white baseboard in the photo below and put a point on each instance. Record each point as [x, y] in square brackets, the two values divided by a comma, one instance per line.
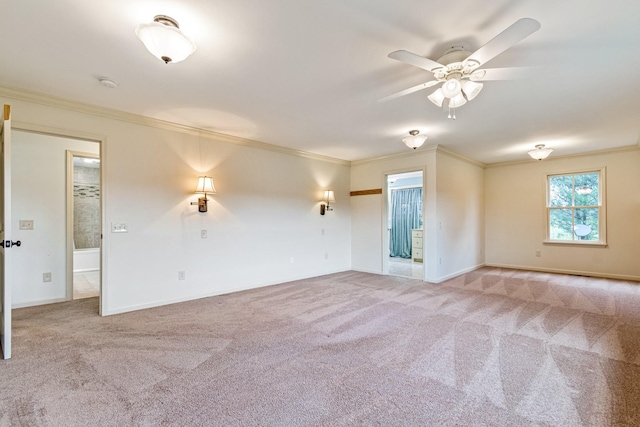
[215, 293]
[572, 272]
[41, 302]
[456, 274]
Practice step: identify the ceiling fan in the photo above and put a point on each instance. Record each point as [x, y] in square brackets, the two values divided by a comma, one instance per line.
[460, 71]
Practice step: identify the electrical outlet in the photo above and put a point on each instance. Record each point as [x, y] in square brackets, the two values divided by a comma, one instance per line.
[181, 275]
[538, 253]
[291, 260]
[203, 234]
[322, 232]
[46, 277]
[326, 255]
[26, 224]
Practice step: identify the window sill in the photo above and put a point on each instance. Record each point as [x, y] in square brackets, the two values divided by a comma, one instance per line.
[575, 243]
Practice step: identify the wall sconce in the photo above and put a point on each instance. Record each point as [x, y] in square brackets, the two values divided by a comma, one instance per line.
[327, 198]
[205, 186]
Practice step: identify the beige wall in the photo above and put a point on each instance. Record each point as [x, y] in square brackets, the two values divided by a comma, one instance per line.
[516, 217]
[453, 217]
[264, 225]
[38, 193]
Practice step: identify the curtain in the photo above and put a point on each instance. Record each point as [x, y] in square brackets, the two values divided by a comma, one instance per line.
[406, 212]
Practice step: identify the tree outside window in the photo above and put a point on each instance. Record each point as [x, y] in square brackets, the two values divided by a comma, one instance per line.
[574, 207]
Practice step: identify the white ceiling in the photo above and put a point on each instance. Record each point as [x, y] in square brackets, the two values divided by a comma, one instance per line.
[308, 74]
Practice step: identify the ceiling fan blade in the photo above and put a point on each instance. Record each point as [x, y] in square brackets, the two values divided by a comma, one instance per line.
[518, 31]
[410, 90]
[513, 73]
[415, 60]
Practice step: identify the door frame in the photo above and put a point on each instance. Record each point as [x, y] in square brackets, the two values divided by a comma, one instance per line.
[6, 281]
[385, 215]
[101, 140]
[70, 154]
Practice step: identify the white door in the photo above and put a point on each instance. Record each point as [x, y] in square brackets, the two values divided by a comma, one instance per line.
[5, 232]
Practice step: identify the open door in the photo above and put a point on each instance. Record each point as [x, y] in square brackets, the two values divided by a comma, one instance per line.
[5, 232]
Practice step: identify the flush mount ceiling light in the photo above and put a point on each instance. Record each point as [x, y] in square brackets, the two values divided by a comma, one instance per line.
[459, 70]
[540, 152]
[414, 140]
[164, 39]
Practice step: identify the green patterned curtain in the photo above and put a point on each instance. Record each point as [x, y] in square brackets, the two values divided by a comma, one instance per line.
[406, 210]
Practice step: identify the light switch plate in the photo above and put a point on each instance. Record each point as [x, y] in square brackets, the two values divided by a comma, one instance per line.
[26, 224]
[118, 228]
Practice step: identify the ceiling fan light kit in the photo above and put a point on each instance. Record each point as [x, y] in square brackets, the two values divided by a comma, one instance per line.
[164, 39]
[459, 70]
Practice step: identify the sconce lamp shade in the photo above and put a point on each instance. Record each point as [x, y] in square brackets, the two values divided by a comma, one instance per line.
[164, 39]
[205, 186]
[414, 140]
[540, 152]
[329, 196]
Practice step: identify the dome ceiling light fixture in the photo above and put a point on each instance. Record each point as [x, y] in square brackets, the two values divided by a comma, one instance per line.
[164, 39]
[540, 152]
[414, 140]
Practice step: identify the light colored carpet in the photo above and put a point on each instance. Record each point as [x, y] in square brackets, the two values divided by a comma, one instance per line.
[490, 348]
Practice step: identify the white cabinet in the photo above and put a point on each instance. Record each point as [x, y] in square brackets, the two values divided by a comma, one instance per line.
[416, 245]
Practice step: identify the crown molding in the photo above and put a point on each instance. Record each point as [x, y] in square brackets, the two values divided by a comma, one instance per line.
[123, 116]
[567, 156]
[428, 149]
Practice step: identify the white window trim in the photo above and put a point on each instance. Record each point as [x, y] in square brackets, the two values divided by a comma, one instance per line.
[602, 214]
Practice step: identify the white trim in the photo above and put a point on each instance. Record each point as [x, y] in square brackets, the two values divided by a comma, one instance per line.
[457, 273]
[386, 207]
[108, 113]
[39, 302]
[437, 148]
[69, 213]
[571, 272]
[213, 294]
[635, 147]
[602, 207]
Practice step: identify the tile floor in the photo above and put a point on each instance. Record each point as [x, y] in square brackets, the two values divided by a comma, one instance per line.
[405, 268]
[86, 284]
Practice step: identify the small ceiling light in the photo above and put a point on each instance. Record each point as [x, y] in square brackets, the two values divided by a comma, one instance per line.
[451, 88]
[327, 198]
[205, 186]
[437, 97]
[164, 39]
[471, 89]
[540, 152]
[414, 140]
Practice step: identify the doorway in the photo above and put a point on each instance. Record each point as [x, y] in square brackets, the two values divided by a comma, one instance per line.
[83, 224]
[41, 207]
[405, 229]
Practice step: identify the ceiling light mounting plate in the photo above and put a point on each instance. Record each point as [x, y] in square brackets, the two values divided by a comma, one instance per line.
[166, 20]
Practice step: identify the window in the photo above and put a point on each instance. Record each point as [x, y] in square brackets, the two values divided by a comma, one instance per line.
[575, 208]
